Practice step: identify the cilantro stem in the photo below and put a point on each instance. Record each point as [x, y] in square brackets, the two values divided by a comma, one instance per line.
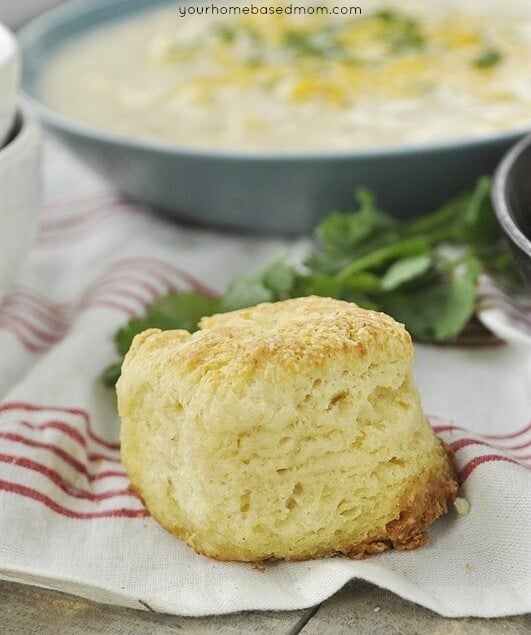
[439, 220]
[407, 247]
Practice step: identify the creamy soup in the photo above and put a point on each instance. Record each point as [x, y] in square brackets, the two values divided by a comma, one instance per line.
[397, 73]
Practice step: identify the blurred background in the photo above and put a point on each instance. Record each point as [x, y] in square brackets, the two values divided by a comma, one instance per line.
[15, 13]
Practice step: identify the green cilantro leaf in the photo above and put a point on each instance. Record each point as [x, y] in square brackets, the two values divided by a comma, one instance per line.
[440, 311]
[405, 270]
[172, 311]
[275, 282]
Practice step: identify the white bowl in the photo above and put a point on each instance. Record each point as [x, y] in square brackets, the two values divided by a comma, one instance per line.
[10, 75]
[20, 190]
[15, 13]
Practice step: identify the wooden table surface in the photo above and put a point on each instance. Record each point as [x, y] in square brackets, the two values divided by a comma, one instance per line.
[358, 608]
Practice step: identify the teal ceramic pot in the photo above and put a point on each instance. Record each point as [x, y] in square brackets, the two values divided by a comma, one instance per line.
[263, 192]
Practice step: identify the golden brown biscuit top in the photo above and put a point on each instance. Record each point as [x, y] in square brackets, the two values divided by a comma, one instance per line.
[288, 334]
[311, 326]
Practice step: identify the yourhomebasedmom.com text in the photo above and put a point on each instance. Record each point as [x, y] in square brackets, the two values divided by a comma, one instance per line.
[266, 9]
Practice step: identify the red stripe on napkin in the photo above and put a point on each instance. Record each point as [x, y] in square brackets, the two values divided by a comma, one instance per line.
[61, 426]
[481, 460]
[53, 207]
[32, 327]
[25, 406]
[162, 268]
[66, 228]
[54, 449]
[448, 428]
[129, 286]
[31, 303]
[509, 436]
[59, 481]
[35, 495]
[466, 441]
[74, 434]
[76, 219]
[13, 327]
[496, 437]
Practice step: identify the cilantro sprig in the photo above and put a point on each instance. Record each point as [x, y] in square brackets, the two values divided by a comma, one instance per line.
[423, 272]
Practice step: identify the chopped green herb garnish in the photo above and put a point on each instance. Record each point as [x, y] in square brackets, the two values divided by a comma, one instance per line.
[319, 44]
[386, 15]
[227, 33]
[402, 32]
[401, 267]
[487, 59]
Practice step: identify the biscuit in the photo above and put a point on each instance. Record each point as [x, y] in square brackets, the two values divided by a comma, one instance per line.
[290, 430]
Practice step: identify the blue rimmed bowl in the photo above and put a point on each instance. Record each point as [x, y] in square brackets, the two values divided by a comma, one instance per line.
[258, 191]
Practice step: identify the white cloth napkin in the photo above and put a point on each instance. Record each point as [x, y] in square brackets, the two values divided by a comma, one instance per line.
[67, 519]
